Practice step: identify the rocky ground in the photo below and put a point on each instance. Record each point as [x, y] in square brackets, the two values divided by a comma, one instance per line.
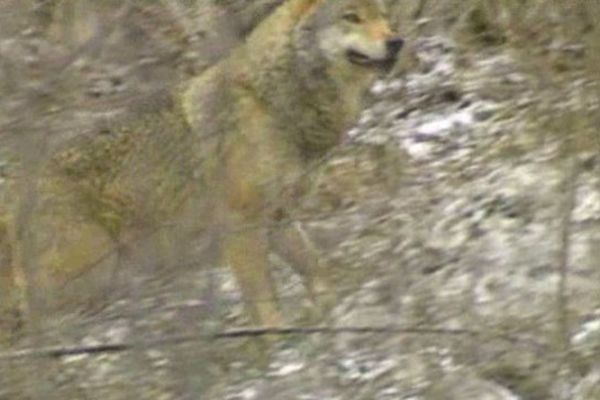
[462, 218]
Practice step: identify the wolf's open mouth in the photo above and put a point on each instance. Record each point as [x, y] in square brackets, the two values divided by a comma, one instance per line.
[358, 58]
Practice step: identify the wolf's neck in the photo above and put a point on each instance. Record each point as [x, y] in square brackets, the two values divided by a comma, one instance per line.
[284, 69]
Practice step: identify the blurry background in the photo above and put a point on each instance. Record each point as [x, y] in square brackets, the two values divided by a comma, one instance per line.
[463, 216]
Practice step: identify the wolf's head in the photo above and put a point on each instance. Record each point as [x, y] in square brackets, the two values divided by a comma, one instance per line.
[340, 48]
[355, 34]
[313, 60]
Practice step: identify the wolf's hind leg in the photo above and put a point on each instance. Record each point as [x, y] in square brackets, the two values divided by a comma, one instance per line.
[75, 262]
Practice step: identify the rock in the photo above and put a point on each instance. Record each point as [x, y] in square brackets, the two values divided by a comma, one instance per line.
[589, 387]
[466, 386]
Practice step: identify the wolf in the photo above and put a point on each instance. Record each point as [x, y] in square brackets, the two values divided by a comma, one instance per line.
[234, 146]
[287, 97]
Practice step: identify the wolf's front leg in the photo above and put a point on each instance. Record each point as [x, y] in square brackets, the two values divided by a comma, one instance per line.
[246, 252]
[294, 245]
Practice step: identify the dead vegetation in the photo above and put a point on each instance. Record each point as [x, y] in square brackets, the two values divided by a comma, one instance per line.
[66, 67]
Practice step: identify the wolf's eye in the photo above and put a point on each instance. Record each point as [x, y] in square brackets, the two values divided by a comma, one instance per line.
[352, 17]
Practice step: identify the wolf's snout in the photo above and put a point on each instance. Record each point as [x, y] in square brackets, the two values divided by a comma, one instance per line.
[393, 46]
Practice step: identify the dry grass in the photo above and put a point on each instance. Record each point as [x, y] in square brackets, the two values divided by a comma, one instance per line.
[55, 47]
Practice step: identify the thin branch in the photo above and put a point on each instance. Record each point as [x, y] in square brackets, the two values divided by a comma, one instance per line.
[420, 10]
[569, 203]
[116, 347]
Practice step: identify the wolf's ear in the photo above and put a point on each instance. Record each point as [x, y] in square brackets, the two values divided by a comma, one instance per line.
[301, 7]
